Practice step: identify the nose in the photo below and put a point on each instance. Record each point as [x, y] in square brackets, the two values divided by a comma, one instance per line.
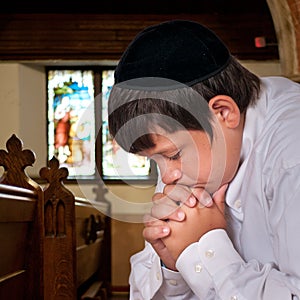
[170, 176]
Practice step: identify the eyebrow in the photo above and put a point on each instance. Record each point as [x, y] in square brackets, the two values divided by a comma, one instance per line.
[166, 150]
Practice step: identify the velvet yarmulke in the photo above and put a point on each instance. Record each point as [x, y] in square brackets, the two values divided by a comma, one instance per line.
[180, 50]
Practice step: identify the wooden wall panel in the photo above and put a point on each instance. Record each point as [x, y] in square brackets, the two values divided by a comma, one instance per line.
[105, 36]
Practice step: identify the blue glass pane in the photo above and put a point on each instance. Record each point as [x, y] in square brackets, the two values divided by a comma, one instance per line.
[71, 120]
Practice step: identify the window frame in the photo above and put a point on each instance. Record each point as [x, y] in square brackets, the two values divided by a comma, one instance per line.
[131, 180]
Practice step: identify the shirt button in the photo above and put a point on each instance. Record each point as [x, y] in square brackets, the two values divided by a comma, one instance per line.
[210, 253]
[172, 282]
[238, 204]
[157, 276]
[198, 268]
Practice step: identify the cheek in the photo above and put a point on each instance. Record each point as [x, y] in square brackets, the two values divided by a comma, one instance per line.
[197, 167]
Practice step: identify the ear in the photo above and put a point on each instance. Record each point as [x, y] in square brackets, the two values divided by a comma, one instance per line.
[226, 110]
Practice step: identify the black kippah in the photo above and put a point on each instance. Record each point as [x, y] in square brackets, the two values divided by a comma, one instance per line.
[184, 51]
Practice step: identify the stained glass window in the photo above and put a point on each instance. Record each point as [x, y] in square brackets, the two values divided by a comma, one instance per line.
[72, 121]
[115, 161]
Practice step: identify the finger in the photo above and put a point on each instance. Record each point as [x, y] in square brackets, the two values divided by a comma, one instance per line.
[149, 220]
[178, 215]
[180, 194]
[154, 233]
[204, 198]
[163, 207]
[219, 197]
[191, 201]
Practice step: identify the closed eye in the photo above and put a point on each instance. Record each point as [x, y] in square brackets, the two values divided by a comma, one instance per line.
[176, 156]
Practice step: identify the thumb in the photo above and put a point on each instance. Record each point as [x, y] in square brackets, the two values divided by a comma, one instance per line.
[219, 197]
[204, 198]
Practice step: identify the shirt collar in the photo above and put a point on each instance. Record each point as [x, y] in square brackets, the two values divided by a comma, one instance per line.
[254, 123]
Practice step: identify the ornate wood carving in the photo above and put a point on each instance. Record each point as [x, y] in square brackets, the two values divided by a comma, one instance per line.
[14, 161]
[59, 235]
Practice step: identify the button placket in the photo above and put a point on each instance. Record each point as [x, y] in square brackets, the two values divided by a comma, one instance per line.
[238, 204]
[198, 268]
[157, 276]
[172, 282]
[209, 253]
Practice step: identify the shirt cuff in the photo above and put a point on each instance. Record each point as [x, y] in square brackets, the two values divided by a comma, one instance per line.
[173, 283]
[192, 270]
[200, 261]
[216, 252]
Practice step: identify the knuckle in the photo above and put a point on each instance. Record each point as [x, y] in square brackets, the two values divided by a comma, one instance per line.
[157, 196]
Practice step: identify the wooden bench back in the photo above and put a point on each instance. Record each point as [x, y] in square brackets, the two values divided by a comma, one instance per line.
[53, 246]
[19, 262]
[21, 272]
[37, 227]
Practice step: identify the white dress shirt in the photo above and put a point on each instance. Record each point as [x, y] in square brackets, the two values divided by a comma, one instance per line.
[258, 257]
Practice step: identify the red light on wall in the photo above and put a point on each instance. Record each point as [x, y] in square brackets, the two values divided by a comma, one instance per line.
[260, 42]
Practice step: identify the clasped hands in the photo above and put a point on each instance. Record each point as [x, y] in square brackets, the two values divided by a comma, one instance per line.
[180, 216]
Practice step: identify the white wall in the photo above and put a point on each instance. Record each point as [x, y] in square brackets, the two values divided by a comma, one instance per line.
[23, 108]
[23, 112]
[263, 68]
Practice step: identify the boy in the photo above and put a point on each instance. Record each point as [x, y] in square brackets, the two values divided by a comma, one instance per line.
[225, 215]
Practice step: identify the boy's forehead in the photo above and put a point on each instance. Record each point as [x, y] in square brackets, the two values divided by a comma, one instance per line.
[167, 142]
[162, 143]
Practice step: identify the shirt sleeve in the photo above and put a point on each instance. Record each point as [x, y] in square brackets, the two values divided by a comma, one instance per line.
[149, 280]
[232, 277]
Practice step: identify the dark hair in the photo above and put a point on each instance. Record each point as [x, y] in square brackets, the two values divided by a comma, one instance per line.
[234, 81]
[133, 115]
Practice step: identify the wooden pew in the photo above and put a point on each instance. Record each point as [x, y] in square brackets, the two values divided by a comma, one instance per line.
[93, 250]
[20, 261]
[21, 267]
[55, 246]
